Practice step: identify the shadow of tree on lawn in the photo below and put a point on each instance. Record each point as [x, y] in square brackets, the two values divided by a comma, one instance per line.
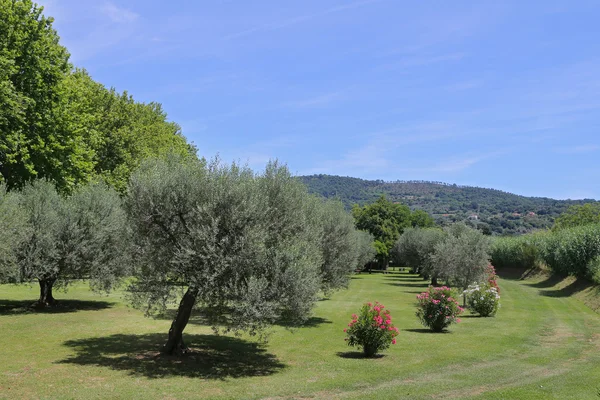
[210, 356]
[425, 330]
[357, 355]
[574, 287]
[11, 307]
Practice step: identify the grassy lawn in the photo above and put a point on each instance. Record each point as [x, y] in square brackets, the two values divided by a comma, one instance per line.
[542, 345]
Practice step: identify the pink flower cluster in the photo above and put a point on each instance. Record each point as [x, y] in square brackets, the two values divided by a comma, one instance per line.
[373, 324]
[437, 308]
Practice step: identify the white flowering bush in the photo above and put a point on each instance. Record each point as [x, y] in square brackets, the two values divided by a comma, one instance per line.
[483, 299]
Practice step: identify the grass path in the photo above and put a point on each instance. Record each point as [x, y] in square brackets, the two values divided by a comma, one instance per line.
[540, 346]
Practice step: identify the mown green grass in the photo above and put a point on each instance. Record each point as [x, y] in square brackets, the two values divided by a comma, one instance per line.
[541, 345]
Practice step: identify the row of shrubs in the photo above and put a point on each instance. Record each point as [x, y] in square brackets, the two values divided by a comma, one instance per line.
[372, 329]
[572, 251]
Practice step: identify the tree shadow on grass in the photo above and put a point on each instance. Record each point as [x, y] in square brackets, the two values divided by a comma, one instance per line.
[410, 285]
[551, 281]
[199, 318]
[13, 307]
[425, 330]
[210, 356]
[357, 355]
[574, 287]
[312, 322]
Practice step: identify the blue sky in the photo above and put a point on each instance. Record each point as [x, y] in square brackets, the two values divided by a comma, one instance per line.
[501, 94]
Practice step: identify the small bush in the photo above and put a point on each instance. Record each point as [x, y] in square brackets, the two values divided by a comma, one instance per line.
[483, 299]
[438, 308]
[372, 329]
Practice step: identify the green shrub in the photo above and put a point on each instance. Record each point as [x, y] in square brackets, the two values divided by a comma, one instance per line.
[438, 308]
[372, 329]
[516, 251]
[483, 299]
[572, 251]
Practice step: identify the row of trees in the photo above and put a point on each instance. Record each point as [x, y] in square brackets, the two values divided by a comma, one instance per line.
[247, 249]
[57, 123]
[458, 254]
[386, 221]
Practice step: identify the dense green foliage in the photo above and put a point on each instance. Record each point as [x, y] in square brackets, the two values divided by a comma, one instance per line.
[489, 210]
[516, 251]
[578, 215]
[571, 251]
[80, 236]
[56, 123]
[386, 221]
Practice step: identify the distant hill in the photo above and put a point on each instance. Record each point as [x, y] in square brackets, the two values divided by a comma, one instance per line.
[488, 209]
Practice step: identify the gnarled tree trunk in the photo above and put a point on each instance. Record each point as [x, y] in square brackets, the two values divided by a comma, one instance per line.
[175, 343]
[46, 299]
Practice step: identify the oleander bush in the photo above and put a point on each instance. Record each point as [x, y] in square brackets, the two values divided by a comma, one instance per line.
[438, 308]
[371, 329]
[483, 299]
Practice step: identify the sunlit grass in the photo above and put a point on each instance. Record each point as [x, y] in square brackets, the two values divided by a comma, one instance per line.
[540, 345]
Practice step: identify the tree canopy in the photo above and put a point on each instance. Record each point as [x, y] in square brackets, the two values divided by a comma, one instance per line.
[386, 221]
[245, 248]
[57, 123]
[64, 238]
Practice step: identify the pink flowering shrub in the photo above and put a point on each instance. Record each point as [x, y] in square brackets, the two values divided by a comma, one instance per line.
[438, 308]
[491, 277]
[372, 329]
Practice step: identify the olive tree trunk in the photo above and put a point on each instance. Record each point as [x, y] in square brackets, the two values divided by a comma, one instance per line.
[175, 344]
[46, 299]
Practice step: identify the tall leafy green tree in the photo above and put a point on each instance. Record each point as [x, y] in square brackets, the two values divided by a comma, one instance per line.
[81, 236]
[34, 141]
[245, 248]
[385, 221]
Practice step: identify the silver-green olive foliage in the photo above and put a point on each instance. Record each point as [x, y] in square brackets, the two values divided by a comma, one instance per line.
[462, 257]
[415, 247]
[344, 248]
[64, 238]
[13, 228]
[244, 247]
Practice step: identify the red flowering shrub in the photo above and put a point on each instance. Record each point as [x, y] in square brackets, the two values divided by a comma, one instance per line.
[372, 329]
[438, 308]
[491, 277]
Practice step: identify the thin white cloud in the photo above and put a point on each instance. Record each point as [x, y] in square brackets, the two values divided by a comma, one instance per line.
[297, 20]
[118, 14]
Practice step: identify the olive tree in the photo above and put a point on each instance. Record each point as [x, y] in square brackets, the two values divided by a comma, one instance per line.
[365, 248]
[342, 245]
[13, 230]
[242, 247]
[462, 257]
[415, 248]
[81, 236]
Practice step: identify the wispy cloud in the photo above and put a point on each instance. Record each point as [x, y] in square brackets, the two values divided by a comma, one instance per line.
[298, 19]
[118, 14]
